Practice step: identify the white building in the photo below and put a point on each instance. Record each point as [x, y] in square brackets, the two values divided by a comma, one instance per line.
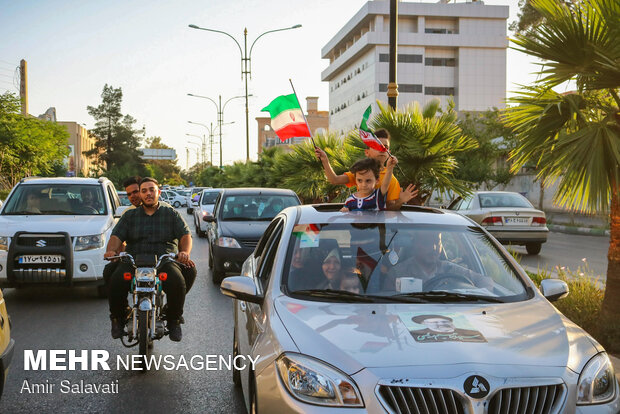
[445, 50]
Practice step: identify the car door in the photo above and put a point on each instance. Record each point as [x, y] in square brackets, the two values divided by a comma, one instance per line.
[250, 317]
[212, 226]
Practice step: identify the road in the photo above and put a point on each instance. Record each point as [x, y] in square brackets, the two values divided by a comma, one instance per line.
[54, 318]
[570, 250]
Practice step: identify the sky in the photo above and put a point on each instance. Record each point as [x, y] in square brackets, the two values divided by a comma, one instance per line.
[74, 47]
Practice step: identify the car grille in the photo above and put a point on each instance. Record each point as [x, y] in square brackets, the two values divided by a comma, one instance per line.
[545, 399]
[411, 400]
[40, 275]
[249, 242]
[30, 240]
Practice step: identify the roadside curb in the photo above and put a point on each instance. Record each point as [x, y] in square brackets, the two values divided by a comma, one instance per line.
[616, 364]
[578, 230]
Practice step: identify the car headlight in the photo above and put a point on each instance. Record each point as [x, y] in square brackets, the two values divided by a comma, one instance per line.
[597, 381]
[313, 381]
[95, 241]
[228, 242]
[4, 243]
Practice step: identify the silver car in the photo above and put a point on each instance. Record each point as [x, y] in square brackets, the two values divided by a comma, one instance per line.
[508, 216]
[416, 311]
[206, 202]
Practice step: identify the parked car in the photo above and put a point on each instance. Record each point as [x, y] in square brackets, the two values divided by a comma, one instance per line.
[508, 216]
[411, 311]
[206, 202]
[172, 198]
[123, 198]
[7, 344]
[193, 192]
[240, 217]
[54, 231]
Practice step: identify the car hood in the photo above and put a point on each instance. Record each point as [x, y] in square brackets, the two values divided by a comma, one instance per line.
[75, 225]
[356, 336]
[243, 229]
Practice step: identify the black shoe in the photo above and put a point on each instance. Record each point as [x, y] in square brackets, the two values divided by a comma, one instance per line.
[118, 329]
[174, 331]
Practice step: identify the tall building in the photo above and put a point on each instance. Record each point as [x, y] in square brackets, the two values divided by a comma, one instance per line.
[445, 50]
[79, 141]
[318, 122]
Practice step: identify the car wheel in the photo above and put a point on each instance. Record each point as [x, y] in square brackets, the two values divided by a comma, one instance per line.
[236, 374]
[533, 248]
[177, 204]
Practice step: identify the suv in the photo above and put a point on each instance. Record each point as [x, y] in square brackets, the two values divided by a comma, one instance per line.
[54, 231]
[172, 198]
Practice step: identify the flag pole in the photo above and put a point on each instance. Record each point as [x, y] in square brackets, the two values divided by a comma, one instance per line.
[302, 112]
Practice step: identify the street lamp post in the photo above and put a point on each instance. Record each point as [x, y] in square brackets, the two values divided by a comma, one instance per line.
[210, 129]
[203, 145]
[246, 69]
[220, 113]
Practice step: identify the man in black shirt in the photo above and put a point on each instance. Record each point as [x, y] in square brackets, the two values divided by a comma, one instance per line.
[153, 228]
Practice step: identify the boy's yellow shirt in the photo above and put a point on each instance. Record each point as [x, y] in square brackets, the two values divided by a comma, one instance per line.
[393, 192]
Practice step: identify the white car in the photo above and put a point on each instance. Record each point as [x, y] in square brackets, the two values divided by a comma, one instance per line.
[173, 198]
[54, 231]
[206, 202]
[411, 311]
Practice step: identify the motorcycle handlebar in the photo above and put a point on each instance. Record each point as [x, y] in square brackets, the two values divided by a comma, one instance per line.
[123, 255]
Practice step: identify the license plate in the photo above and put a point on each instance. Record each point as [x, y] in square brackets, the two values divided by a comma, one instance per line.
[517, 220]
[40, 259]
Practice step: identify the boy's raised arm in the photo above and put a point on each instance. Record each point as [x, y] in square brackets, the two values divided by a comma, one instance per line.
[387, 177]
[329, 171]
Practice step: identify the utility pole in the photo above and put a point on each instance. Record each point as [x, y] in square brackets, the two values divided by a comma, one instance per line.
[392, 91]
[187, 158]
[220, 115]
[23, 86]
[211, 142]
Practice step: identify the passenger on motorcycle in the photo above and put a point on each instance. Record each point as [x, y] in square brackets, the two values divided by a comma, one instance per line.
[153, 228]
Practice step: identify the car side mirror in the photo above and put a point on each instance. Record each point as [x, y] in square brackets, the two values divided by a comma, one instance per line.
[242, 288]
[553, 289]
[119, 211]
[208, 218]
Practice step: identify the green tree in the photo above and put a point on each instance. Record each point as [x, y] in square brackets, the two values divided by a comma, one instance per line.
[426, 142]
[117, 141]
[575, 138]
[28, 146]
[485, 163]
[164, 171]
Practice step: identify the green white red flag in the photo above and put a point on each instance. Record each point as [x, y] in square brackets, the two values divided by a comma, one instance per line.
[366, 134]
[287, 119]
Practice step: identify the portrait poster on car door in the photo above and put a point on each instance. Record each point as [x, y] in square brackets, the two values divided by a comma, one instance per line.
[440, 327]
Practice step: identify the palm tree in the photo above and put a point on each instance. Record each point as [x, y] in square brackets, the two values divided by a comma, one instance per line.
[425, 141]
[575, 137]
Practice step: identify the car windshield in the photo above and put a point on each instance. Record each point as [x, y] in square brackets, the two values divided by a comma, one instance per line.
[503, 200]
[398, 262]
[209, 197]
[255, 207]
[124, 199]
[56, 199]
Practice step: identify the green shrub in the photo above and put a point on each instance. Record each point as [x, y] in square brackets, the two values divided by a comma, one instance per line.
[583, 303]
[4, 194]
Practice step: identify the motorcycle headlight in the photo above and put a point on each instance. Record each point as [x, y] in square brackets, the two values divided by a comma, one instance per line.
[228, 242]
[313, 381]
[4, 243]
[90, 242]
[597, 381]
[145, 274]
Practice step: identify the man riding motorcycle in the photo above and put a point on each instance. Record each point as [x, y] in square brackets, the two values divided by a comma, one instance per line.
[153, 228]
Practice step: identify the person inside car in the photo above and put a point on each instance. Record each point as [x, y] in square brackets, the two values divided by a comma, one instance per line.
[154, 228]
[273, 208]
[331, 268]
[89, 199]
[351, 282]
[424, 262]
[395, 196]
[33, 203]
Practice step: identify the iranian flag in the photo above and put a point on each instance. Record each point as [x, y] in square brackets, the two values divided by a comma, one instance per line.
[366, 134]
[287, 120]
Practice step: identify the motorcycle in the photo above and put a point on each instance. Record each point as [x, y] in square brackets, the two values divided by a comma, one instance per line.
[147, 319]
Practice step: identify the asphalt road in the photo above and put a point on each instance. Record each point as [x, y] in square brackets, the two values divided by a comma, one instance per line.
[54, 318]
[570, 250]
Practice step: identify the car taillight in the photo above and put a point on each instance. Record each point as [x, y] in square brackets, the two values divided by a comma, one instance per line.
[539, 221]
[492, 221]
